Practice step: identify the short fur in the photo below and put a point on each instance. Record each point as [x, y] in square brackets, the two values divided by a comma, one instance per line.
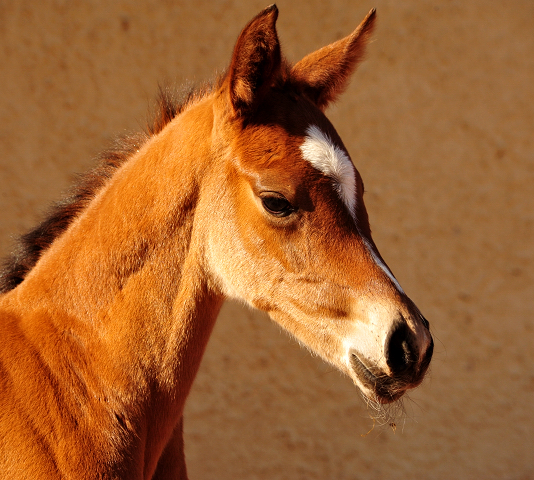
[31, 245]
[109, 303]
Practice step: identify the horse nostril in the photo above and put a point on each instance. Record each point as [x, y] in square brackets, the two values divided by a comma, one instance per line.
[424, 321]
[401, 352]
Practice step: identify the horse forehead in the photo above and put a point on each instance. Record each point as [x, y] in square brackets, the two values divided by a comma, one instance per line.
[319, 150]
[290, 151]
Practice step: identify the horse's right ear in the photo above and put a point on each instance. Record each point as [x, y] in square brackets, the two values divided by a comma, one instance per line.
[255, 62]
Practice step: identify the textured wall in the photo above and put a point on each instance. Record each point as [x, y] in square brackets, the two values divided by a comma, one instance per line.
[439, 120]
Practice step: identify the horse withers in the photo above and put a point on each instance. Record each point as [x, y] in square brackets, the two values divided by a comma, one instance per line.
[243, 190]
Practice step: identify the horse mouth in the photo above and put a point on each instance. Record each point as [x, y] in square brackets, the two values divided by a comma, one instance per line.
[385, 388]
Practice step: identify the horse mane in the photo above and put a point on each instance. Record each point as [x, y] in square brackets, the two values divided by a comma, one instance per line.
[30, 246]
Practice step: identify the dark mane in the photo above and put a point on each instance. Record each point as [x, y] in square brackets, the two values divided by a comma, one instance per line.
[30, 246]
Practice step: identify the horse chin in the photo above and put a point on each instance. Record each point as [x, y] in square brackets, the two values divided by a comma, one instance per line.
[389, 397]
[375, 384]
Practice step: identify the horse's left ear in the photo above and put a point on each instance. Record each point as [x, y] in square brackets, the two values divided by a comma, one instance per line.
[255, 62]
[324, 74]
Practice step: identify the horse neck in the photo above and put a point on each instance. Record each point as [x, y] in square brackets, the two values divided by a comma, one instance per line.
[127, 282]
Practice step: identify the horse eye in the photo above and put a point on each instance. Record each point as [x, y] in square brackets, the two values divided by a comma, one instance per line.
[277, 205]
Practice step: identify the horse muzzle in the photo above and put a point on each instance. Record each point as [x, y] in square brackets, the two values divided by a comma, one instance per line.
[406, 365]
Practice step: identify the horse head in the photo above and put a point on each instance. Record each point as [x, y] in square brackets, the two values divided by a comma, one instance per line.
[292, 235]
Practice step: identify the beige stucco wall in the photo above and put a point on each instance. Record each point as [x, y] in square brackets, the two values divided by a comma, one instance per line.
[440, 122]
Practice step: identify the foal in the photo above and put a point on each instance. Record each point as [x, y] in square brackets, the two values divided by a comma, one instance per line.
[243, 191]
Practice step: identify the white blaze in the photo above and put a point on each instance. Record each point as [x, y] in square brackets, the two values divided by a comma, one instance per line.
[320, 151]
[382, 265]
[328, 158]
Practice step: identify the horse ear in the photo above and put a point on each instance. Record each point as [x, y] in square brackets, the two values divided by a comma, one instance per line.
[323, 75]
[255, 62]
